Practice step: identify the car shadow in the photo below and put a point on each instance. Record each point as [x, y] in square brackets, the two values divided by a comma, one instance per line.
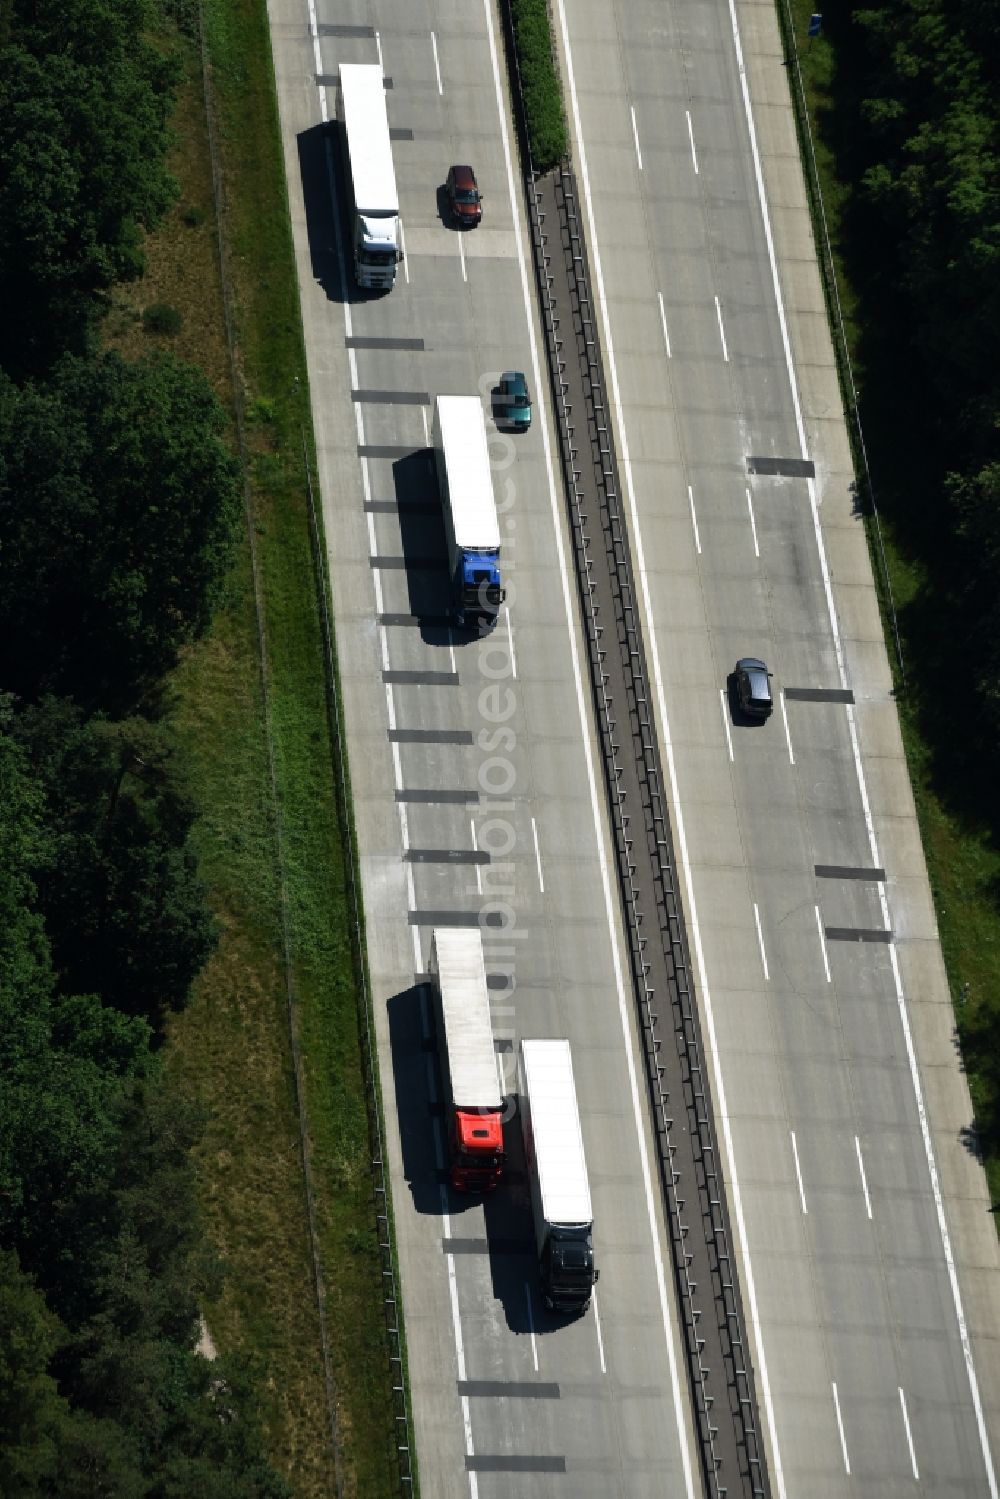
[499, 406]
[443, 208]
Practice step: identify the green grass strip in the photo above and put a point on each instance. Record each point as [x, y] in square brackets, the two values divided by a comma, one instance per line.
[234, 1044]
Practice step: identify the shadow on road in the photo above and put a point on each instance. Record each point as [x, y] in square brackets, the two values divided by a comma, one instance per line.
[424, 549]
[324, 194]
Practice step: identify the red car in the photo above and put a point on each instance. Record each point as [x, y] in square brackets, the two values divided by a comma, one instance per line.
[464, 198]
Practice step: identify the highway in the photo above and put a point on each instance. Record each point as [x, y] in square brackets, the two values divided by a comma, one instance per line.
[819, 971]
[476, 785]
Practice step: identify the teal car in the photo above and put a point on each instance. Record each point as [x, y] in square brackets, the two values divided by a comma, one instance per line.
[513, 401]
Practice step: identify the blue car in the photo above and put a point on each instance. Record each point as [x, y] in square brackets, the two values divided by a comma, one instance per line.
[513, 402]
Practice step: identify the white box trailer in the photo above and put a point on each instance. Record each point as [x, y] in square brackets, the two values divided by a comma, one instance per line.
[375, 232]
[470, 513]
[470, 1073]
[557, 1170]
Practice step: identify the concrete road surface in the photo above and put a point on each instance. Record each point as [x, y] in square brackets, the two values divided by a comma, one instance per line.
[869, 1255]
[475, 781]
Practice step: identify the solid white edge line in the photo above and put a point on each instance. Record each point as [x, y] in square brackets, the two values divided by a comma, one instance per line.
[531, 1326]
[317, 54]
[427, 435]
[725, 720]
[437, 64]
[822, 944]
[864, 1179]
[538, 857]
[909, 1436]
[722, 331]
[946, 1244]
[460, 1350]
[597, 1329]
[720, 1091]
[694, 154]
[788, 732]
[694, 520]
[798, 1174]
[840, 1428]
[760, 939]
[753, 523]
[568, 592]
[663, 320]
[635, 134]
[378, 49]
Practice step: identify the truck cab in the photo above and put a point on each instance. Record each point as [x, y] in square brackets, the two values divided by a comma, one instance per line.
[477, 591]
[376, 254]
[566, 1269]
[475, 1150]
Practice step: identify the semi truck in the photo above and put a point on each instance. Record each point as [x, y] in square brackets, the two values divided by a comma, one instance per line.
[557, 1171]
[473, 1096]
[375, 231]
[470, 514]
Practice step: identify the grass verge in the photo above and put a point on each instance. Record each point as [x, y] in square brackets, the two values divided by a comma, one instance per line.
[231, 1048]
[963, 858]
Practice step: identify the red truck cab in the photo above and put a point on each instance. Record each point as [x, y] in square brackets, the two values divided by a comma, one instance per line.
[477, 1154]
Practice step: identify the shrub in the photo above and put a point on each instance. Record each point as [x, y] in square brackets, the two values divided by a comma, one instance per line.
[548, 137]
[162, 318]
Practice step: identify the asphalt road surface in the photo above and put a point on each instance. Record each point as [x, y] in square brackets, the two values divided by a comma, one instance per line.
[475, 780]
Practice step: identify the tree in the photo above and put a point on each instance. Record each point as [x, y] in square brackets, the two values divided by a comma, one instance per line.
[31, 1409]
[118, 502]
[84, 109]
[124, 909]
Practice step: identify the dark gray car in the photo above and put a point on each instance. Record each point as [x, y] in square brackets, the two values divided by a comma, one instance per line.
[753, 687]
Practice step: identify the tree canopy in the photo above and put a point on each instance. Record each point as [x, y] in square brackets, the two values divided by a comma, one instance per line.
[916, 131]
[84, 109]
[117, 505]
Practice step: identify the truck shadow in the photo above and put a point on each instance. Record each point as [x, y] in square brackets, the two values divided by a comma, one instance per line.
[509, 1242]
[423, 545]
[325, 195]
[414, 1063]
[510, 1239]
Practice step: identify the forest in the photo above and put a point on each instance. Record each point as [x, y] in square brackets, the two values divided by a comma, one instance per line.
[120, 504]
[912, 122]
